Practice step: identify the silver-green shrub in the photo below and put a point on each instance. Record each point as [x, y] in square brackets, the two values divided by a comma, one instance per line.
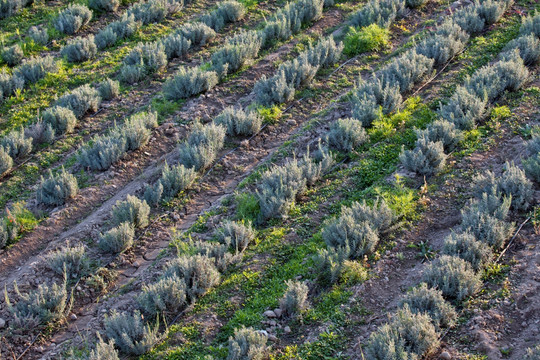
[61, 119]
[512, 182]
[346, 234]
[72, 19]
[407, 70]
[486, 227]
[79, 49]
[104, 350]
[236, 52]
[165, 296]
[150, 56]
[16, 144]
[198, 272]
[278, 189]
[414, 3]
[315, 167]
[247, 344]
[463, 109]
[379, 215]
[424, 300]
[236, 235]
[512, 70]
[34, 69]
[117, 239]
[12, 55]
[469, 20]
[447, 41]
[443, 131]
[346, 134]
[533, 353]
[81, 100]
[217, 252]
[289, 20]
[131, 74]
[531, 165]
[175, 45]
[328, 265]
[104, 5]
[8, 232]
[70, 260]
[173, 180]
[202, 145]
[6, 161]
[57, 188]
[103, 151]
[452, 275]
[528, 47]
[370, 97]
[492, 10]
[530, 24]
[239, 122]
[108, 89]
[117, 30]
[153, 11]
[294, 301]
[407, 336]
[38, 34]
[137, 129]
[226, 12]
[465, 246]
[188, 82]
[427, 158]
[130, 334]
[38, 307]
[132, 210]
[197, 33]
[380, 12]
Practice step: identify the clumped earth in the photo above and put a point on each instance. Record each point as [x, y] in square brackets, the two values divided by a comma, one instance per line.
[358, 142]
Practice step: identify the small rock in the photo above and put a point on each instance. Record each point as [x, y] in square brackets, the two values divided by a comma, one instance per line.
[269, 314]
[263, 332]
[278, 312]
[291, 122]
[299, 277]
[2, 323]
[244, 143]
[445, 355]
[73, 317]
[287, 330]
[272, 337]
[79, 288]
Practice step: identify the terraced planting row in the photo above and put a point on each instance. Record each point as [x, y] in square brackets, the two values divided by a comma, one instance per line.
[226, 269]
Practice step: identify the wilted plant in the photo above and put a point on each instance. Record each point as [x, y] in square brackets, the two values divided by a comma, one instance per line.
[166, 296]
[56, 189]
[346, 134]
[424, 300]
[117, 239]
[132, 210]
[247, 344]
[70, 260]
[198, 272]
[61, 119]
[453, 276]
[294, 301]
[407, 336]
[130, 334]
[465, 246]
[72, 19]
